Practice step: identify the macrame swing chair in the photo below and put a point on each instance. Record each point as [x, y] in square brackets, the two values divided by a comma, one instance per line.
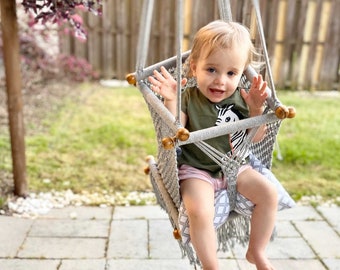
[231, 227]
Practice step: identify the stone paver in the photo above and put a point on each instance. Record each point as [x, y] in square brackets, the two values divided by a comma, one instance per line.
[299, 213]
[287, 265]
[70, 228]
[139, 212]
[332, 216]
[129, 239]
[18, 264]
[13, 232]
[84, 212]
[332, 264]
[322, 238]
[68, 248]
[141, 238]
[82, 264]
[162, 232]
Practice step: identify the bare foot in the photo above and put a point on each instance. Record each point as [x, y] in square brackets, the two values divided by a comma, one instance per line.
[260, 260]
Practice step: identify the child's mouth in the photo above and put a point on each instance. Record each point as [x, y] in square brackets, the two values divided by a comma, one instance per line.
[216, 91]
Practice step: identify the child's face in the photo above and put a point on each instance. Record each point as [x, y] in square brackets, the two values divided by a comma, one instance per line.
[218, 74]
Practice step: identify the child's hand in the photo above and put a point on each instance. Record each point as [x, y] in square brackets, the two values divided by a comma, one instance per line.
[256, 96]
[164, 84]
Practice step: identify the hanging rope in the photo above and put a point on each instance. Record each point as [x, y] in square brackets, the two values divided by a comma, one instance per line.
[179, 58]
[144, 34]
[263, 43]
[225, 10]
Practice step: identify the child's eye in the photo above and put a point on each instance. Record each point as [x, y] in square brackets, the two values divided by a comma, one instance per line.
[231, 73]
[211, 70]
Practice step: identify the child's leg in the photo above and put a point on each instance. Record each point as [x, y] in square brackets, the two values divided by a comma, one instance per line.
[263, 194]
[198, 198]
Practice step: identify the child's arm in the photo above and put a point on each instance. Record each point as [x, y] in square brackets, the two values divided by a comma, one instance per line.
[255, 99]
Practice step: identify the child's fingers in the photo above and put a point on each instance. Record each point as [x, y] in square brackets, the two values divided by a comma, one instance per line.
[158, 76]
[243, 92]
[152, 80]
[264, 86]
[259, 84]
[165, 72]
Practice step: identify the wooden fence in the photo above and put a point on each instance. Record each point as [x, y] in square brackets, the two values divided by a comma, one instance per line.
[303, 37]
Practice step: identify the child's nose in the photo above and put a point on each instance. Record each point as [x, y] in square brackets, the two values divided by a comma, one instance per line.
[221, 79]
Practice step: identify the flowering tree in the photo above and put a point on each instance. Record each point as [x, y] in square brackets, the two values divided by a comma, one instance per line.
[55, 11]
[59, 11]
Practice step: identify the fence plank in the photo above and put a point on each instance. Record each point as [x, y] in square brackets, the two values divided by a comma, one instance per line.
[330, 67]
[133, 28]
[290, 41]
[107, 43]
[93, 44]
[320, 37]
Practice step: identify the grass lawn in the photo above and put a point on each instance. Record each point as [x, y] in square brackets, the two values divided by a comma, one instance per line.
[99, 143]
[310, 145]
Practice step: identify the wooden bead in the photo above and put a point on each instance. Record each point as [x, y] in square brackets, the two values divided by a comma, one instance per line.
[177, 234]
[168, 143]
[147, 170]
[148, 158]
[292, 112]
[131, 79]
[182, 134]
[281, 112]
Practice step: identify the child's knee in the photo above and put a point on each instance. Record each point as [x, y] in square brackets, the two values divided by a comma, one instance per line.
[200, 212]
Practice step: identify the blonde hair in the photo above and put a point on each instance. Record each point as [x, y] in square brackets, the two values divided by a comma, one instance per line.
[221, 35]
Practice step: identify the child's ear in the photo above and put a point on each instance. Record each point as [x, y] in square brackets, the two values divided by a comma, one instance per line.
[193, 67]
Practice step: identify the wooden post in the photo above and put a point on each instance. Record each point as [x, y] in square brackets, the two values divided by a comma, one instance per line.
[11, 53]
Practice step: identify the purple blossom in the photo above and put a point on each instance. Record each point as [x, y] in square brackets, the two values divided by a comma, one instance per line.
[58, 11]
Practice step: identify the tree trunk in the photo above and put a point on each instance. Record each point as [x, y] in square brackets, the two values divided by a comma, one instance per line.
[11, 49]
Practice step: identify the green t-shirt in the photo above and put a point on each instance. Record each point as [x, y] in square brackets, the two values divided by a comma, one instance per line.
[202, 114]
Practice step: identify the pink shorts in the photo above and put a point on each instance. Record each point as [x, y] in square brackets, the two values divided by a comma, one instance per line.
[189, 172]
